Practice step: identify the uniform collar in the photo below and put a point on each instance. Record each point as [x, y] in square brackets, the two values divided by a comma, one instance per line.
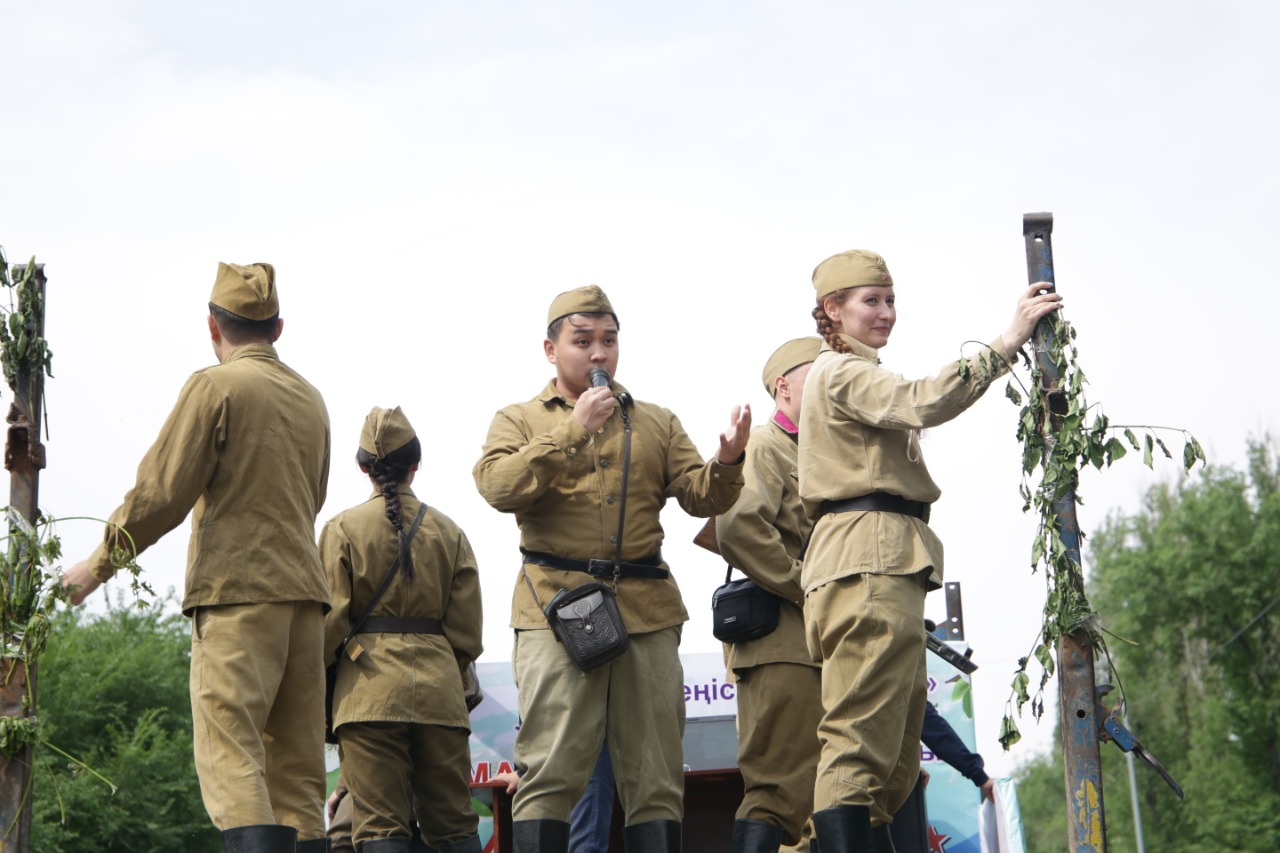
[551, 393]
[252, 351]
[785, 423]
[859, 349]
[402, 490]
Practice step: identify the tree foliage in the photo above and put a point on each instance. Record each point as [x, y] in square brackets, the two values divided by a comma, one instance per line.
[113, 693]
[1190, 583]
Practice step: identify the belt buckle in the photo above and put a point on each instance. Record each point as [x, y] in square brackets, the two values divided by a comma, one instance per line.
[600, 569]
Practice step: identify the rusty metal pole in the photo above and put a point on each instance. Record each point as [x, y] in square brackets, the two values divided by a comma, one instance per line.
[1077, 691]
[23, 457]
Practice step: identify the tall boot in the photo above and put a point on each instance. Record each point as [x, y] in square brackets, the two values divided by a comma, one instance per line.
[754, 836]
[844, 829]
[652, 836]
[313, 845]
[260, 838]
[540, 836]
[466, 845]
[882, 839]
[399, 844]
[814, 846]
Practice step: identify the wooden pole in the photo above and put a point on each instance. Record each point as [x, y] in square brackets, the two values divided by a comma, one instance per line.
[23, 458]
[1077, 690]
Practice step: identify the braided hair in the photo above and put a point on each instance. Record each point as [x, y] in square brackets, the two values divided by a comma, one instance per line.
[389, 472]
[826, 328]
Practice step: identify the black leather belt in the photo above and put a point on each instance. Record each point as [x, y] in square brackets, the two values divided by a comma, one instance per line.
[646, 567]
[401, 625]
[878, 502]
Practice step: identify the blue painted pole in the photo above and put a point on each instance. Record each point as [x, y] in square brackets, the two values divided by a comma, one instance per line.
[1077, 691]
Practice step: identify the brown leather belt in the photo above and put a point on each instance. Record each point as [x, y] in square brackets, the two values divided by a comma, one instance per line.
[401, 625]
[647, 568]
[878, 502]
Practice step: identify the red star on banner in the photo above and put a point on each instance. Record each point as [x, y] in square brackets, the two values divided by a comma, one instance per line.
[937, 841]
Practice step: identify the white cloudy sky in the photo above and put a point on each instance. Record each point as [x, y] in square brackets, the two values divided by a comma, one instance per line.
[426, 176]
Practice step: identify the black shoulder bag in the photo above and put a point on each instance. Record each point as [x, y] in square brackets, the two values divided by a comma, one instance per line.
[743, 610]
[331, 671]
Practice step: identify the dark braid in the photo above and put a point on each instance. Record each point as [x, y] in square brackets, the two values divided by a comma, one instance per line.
[389, 472]
[826, 328]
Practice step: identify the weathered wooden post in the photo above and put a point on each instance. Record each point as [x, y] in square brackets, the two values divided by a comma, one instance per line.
[1077, 690]
[23, 457]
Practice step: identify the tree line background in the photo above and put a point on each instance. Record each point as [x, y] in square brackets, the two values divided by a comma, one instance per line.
[1189, 588]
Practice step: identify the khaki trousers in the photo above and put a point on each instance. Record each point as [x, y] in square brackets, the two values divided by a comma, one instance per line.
[396, 771]
[869, 630]
[257, 703]
[637, 699]
[779, 709]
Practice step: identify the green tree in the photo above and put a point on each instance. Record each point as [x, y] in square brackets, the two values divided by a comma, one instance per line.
[113, 693]
[1188, 587]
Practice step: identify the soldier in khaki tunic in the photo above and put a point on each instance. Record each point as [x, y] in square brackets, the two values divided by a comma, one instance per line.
[557, 462]
[247, 445]
[779, 684]
[399, 712]
[872, 555]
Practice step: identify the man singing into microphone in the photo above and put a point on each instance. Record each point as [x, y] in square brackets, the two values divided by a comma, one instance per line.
[559, 463]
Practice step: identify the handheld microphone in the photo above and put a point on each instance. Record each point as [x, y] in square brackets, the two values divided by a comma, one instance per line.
[598, 377]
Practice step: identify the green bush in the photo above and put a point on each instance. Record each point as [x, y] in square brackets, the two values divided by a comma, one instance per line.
[113, 693]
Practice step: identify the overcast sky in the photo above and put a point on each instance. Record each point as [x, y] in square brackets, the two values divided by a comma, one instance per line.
[427, 176]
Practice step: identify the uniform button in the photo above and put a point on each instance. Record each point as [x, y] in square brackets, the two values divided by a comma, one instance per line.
[613, 540]
[609, 499]
[572, 451]
[604, 463]
[715, 476]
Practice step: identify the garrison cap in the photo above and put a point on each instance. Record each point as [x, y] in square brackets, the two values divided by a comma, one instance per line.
[581, 300]
[787, 358]
[248, 291]
[385, 431]
[854, 268]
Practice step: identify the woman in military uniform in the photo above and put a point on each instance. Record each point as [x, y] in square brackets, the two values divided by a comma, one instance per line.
[872, 556]
[398, 707]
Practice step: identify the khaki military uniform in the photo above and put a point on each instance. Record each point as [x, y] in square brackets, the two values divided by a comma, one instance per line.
[779, 684]
[398, 708]
[565, 486]
[866, 573]
[246, 446]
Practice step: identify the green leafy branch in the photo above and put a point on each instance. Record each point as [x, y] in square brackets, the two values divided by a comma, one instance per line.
[30, 590]
[1061, 434]
[21, 343]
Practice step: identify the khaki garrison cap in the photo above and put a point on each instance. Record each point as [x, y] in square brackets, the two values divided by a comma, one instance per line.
[854, 268]
[385, 431]
[248, 292]
[582, 300]
[787, 358]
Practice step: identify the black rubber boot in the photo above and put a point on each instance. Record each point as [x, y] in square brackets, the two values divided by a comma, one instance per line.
[844, 829]
[814, 846]
[882, 839]
[260, 838]
[399, 844]
[540, 836]
[652, 836]
[466, 845]
[754, 836]
[313, 845]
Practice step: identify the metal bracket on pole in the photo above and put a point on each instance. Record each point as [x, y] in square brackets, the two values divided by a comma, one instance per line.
[1114, 730]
